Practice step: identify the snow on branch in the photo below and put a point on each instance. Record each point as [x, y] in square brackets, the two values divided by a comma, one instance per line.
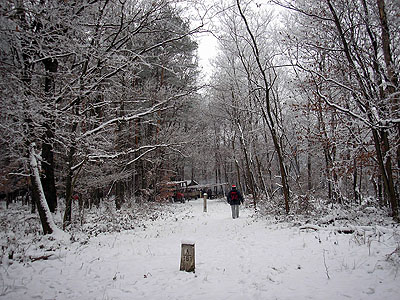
[78, 165]
[347, 111]
[339, 84]
[155, 108]
[116, 155]
[19, 174]
[122, 67]
[141, 155]
[291, 6]
[369, 124]
[151, 149]
[179, 151]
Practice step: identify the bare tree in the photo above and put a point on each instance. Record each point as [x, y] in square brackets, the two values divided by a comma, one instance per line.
[353, 75]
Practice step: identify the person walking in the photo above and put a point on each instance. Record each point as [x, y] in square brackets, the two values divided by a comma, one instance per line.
[235, 198]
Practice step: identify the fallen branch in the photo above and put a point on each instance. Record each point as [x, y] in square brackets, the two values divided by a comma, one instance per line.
[349, 229]
[43, 257]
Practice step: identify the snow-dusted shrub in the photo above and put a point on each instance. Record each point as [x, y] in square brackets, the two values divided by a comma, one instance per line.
[21, 237]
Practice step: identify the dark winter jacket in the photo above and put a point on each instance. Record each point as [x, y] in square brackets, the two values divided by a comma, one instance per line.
[234, 197]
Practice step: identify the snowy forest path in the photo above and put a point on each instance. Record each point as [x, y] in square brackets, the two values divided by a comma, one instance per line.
[245, 258]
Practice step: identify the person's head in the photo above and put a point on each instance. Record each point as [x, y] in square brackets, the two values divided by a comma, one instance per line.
[233, 187]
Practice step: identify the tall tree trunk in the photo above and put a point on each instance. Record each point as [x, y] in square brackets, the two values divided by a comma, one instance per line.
[391, 92]
[236, 164]
[261, 178]
[69, 186]
[326, 150]
[381, 198]
[267, 114]
[249, 175]
[356, 190]
[119, 194]
[269, 170]
[387, 53]
[309, 148]
[48, 179]
[328, 172]
[381, 148]
[119, 147]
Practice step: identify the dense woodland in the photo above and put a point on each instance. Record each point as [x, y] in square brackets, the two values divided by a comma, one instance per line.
[105, 99]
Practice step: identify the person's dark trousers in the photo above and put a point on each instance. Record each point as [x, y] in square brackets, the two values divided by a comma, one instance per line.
[235, 211]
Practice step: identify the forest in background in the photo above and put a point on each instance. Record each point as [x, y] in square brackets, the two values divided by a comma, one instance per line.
[309, 106]
[102, 99]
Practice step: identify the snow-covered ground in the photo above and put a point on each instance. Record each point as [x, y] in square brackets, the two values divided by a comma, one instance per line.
[246, 258]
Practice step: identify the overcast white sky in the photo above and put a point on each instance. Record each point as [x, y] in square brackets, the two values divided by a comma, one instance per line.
[202, 13]
[208, 44]
[207, 51]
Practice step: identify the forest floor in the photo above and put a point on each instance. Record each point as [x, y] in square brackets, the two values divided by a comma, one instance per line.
[246, 258]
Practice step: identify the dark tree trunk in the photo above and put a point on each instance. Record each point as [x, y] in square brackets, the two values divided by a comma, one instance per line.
[249, 175]
[381, 147]
[380, 197]
[357, 198]
[120, 145]
[392, 94]
[237, 165]
[8, 200]
[328, 176]
[33, 202]
[119, 194]
[261, 177]
[68, 188]
[69, 181]
[48, 179]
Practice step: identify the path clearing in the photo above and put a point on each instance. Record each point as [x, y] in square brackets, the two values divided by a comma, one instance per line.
[235, 259]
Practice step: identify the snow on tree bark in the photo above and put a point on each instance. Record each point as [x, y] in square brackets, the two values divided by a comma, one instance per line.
[46, 217]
